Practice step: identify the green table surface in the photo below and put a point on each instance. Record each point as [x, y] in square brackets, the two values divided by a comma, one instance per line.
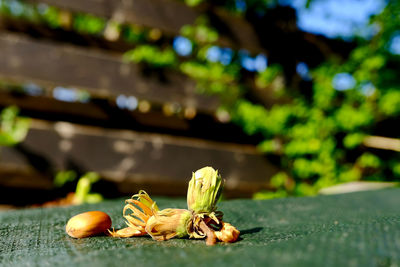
[357, 229]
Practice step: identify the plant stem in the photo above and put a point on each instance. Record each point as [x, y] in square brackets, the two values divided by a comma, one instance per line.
[211, 238]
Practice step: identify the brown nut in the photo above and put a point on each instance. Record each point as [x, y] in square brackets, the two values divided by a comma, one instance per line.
[88, 224]
[228, 233]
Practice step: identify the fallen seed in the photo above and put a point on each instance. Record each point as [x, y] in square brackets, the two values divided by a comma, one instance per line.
[87, 224]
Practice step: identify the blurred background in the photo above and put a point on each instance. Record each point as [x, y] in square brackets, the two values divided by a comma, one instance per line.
[101, 98]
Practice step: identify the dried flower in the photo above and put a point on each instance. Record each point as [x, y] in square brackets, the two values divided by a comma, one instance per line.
[143, 207]
[202, 220]
[169, 223]
[228, 233]
[204, 190]
[212, 222]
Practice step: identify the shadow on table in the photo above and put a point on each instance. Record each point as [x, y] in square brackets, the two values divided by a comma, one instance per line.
[250, 231]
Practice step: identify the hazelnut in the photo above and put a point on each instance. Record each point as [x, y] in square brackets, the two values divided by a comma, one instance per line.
[87, 224]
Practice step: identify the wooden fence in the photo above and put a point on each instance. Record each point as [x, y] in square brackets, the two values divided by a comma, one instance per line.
[130, 149]
[103, 74]
[166, 15]
[156, 162]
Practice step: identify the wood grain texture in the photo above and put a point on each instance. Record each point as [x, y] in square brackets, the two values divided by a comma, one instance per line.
[104, 74]
[153, 161]
[104, 112]
[166, 15]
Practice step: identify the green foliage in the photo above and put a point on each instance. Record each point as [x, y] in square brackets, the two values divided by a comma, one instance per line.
[350, 173]
[89, 24]
[82, 23]
[250, 117]
[350, 118]
[151, 55]
[10, 8]
[132, 34]
[269, 76]
[353, 140]
[207, 71]
[318, 140]
[83, 192]
[193, 2]
[368, 160]
[200, 32]
[389, 103]
[64, 177]
[83, 188]
[214, 78]
[51, 16]
[13, 129]
[396, 169]
[270, 194]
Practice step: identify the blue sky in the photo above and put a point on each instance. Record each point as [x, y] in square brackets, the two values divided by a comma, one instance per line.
[336, 18]
[332, 18]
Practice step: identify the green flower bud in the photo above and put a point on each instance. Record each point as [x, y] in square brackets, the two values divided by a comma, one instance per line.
[204, 190]
[169, 223]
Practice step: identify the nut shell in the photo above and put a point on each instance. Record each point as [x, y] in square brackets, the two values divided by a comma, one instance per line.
[87, 224]
[228, 233]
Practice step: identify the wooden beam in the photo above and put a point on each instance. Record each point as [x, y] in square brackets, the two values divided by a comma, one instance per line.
[44, 31]
[133, 159]
[95, 112]
[356, 186]
[105, 113]
[104, 74]
[381, 142]
[166, 15]
[52, 105]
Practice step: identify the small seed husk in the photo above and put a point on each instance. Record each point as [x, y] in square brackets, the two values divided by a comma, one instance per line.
[88, 224]
[204, 190]
[169, 223]
[228, 233]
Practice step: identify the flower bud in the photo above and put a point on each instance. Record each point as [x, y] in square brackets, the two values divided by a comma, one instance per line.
[228, 233]
[169, 223]
[204, 190]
